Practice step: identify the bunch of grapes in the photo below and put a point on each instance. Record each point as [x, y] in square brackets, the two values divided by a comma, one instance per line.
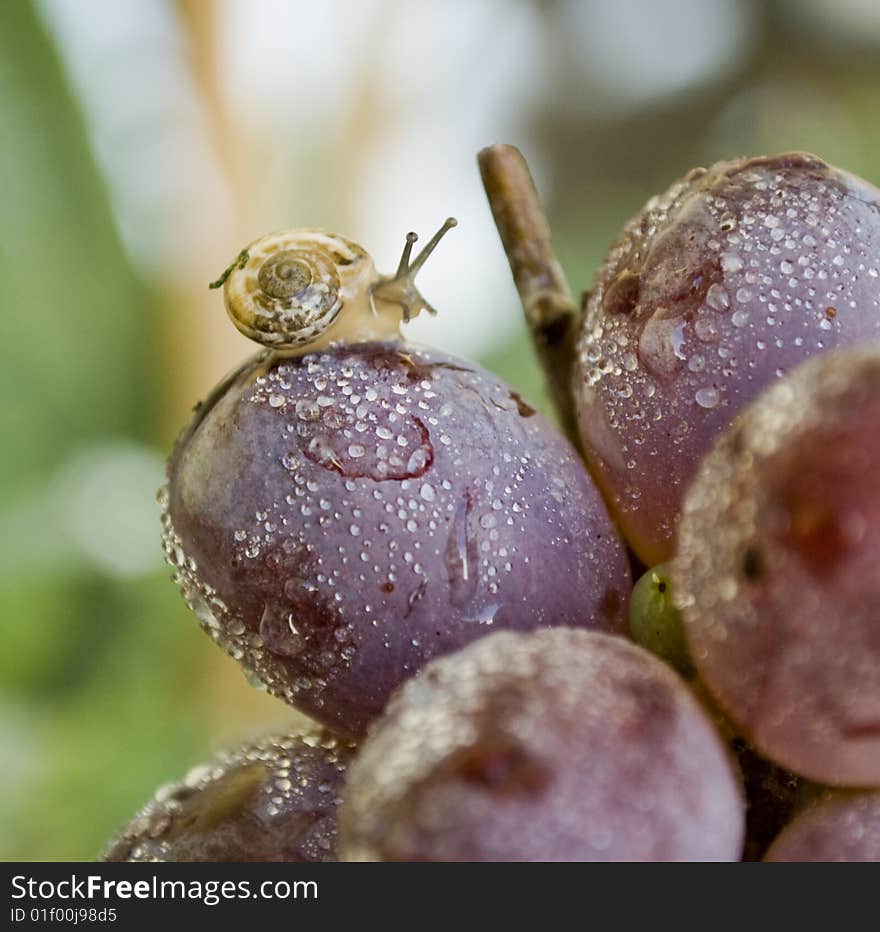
[396, 543]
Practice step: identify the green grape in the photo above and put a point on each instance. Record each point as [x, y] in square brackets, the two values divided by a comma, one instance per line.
[655, 622]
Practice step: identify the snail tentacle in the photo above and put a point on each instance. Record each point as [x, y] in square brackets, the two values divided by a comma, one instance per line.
[400, 288]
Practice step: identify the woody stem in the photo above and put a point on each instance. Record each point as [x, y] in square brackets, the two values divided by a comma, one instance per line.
[550, 311]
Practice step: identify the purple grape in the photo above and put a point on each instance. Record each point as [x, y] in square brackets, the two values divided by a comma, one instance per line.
[778, 571]
[720, 285]
[274, 800]
[339, 518]
[837, 827]
[559, 745]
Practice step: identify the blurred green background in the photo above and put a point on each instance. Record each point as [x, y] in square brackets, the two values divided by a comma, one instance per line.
[141, 145]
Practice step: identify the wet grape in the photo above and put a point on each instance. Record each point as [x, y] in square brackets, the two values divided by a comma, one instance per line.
[719, 286]
[337, 519]
[778, 571]
[837, 827]
[273, 800]
[655, 622]
[556, 745]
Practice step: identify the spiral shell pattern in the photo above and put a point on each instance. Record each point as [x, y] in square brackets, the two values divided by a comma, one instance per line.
[289, 287]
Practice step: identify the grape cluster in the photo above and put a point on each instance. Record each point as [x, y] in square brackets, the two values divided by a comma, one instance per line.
[395, 542]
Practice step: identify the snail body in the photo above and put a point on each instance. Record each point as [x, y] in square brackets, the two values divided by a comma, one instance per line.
[308, 288]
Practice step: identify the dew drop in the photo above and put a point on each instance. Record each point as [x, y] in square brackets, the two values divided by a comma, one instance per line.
[717, 297]
[731, 262]
[307, 410]
[706, 329]
[707, 397]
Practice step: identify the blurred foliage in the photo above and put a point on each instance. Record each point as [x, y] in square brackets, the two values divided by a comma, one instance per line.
[95, 684]
[75, 347]
[107, 688]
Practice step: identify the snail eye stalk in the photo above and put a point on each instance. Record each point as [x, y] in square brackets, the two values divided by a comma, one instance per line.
[400, 288]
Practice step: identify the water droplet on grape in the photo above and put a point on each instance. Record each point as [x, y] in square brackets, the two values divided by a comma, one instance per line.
[707, 397]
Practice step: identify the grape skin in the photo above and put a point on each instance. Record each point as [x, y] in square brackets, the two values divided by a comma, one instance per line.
[720, 285]
[837, 827]
[778, 571]
[561, 745]
[337, 519]
[272, 800]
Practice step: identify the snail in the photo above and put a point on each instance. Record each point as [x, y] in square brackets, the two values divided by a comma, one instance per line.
[346, 505]
[288, 290]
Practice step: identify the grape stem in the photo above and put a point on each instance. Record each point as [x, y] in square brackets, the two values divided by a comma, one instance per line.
[550, 311]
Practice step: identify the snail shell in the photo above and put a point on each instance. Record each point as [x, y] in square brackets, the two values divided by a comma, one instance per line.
[287, 288]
